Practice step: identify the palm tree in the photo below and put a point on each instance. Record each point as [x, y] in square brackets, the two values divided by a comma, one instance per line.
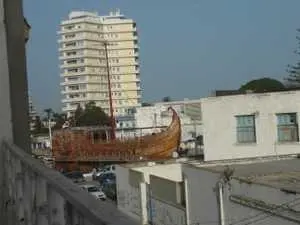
[49, 113]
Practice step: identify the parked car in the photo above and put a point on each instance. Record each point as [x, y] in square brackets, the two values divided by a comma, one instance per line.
[106, 176]
[109, 168]
[110, 189]
[99, 171]
[95, 191]
[76, 176]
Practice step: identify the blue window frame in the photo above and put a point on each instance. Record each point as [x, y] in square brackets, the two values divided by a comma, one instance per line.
[287, 127]
[246, 129]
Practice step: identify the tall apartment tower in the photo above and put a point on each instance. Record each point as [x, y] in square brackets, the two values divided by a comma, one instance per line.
[83, 63]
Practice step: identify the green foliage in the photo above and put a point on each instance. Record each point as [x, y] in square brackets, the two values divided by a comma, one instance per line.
[59, 119]
[49, 112]
[92, 115]
[166, 99]
[38, 127]
[263, 84]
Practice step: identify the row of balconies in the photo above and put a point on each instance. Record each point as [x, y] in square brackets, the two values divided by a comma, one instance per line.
[121, 36]
[95, 30]
[97, 73]
[105, 105]
[94, 81]
[96, 55]
[131, 45]
[99, 64]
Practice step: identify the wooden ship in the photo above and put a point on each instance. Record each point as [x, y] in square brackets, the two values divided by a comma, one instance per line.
[83, 148]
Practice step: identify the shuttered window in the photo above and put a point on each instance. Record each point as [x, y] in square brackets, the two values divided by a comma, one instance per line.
[246, 129]
[287, 127]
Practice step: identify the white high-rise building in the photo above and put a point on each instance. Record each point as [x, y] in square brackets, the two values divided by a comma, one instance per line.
[83, 63]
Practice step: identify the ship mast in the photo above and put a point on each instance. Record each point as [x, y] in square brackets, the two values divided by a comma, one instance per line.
[112, 118]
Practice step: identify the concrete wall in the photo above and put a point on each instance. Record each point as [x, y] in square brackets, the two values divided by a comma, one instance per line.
[168, 171]
[128, 196]
[219, 124]
[201, 199]
[235, 213]
[203, 202]
[137, 200]
[164, 213]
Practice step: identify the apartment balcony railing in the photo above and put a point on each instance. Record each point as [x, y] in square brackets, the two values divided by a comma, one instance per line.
[34, 194]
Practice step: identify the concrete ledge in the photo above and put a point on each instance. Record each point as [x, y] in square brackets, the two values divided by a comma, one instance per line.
[97, 213]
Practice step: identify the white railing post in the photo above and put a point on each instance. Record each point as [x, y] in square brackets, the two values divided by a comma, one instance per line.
[19, 191]
[56, 207]
[41, 202]
[28, 203]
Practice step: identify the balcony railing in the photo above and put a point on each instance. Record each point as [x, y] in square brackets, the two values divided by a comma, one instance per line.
[34, 194]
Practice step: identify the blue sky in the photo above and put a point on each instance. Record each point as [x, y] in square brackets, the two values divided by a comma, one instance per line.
[188, 48]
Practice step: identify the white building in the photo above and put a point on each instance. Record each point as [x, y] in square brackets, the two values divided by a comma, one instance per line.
[251, 125]
[258, 191]
[243, 193]
[32, 114]
[250, 173]
[151, 193]
[83, 37]
[157, 116]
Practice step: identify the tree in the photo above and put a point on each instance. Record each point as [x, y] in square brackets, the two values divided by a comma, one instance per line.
[92, 115]
[263, 84]
[38, 127]
[49, 112]
[293, 78]
[166, 99]
[59, 119]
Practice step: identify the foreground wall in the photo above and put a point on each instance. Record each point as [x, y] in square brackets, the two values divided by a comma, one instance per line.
[242, 202]
[151, 194]
[220, 125]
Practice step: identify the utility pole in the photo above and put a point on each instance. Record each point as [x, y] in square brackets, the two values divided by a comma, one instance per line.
[112, 118]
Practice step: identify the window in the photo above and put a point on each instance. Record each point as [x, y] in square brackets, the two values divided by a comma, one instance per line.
[287, 127]
[74, 61]
[246, 129]
[70, 44]
[71, 53]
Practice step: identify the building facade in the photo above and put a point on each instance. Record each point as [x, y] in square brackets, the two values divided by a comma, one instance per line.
[248, 192]
[152, 193]
[32, 114]
[251, 125]
[252, 191]
[84, 65]
[157, 116]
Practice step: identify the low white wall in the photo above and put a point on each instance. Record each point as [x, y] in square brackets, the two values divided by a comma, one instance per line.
[162, 213]
[168, 171]
[128, 197]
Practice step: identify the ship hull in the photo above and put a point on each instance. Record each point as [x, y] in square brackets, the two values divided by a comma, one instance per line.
[78, 149]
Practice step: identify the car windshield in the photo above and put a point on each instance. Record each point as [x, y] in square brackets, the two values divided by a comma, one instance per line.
[93, 189]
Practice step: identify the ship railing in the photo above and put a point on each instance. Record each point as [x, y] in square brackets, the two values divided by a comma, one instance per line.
[31, 193]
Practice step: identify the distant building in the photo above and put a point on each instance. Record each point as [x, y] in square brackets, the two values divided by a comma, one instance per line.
[32, 115]
[157, 116]
[84, 65]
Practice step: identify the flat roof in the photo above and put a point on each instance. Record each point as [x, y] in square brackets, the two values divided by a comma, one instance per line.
[282, 174]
